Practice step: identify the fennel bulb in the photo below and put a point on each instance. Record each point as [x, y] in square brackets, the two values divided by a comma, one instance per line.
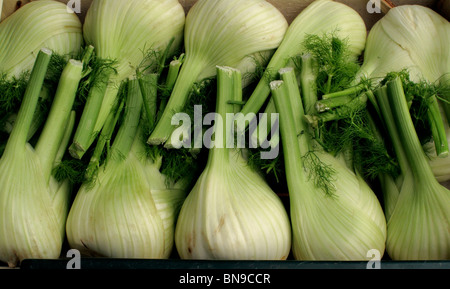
[225, 33]
[231, 213]
[320, 17]
[47, 25]
[418, 223]
[124, 31]
[35, 205]
[335, 215]
[130, 210]
[410, 37]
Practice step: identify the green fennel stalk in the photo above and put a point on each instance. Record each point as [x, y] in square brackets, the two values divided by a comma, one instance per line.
[18, 135]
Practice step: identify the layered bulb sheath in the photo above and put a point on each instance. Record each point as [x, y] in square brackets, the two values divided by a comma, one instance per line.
[232, 214]
[345, 226]
[418, 223]
[33, 218]
[128, 213]
[411, 37]
[47, 25]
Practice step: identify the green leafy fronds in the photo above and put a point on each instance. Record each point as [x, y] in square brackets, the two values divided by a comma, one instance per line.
[273, 169]
[55, 68]
[320, 173]
[337, 69]
[177, 164]
[93, 75]
[12, 91]
[443, 89]
[70, 169]
[13, 88]
[203, 93]
[260, 68]
[356, 133]
[353, 129]
[154, 60]
[373, 160]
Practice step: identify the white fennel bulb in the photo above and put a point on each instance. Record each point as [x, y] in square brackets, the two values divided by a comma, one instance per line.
[47, 25]
[419, 206]
[231, 213]
[412, 37]
[34, 204]
[130, 209]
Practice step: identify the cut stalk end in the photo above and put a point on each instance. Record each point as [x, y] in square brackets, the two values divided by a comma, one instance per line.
[76, 151]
